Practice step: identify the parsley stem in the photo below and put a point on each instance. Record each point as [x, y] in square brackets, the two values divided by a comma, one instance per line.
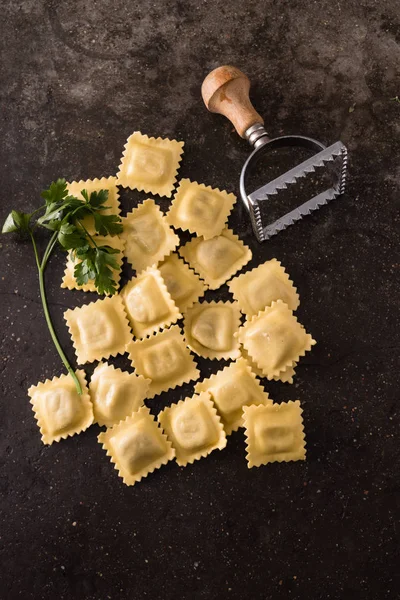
[38, 209]
[41, 268]
[49, 249]
[87, 233]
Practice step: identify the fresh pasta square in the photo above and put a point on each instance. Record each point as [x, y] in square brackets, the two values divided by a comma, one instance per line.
[150, 164]
[147, 235]
[216, 260]
[193, 427]
[211, 328]
[115, 394]
[148, 303]
[274, 433]
[59, 410]
[257, 289]
[274, 339]
[99, 329]
[165, 359]
[137, 446]
[200, 209]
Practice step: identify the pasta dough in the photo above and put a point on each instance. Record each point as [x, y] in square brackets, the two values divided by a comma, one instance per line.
[150, 164]
[258, 288]
[148, 237]
[274, 433]
[274, 339]
[115, 394]
[216, 260]
[148, 303]
[200, 209]
[137, 446]
[99, 329]
[182, 283]
[59, 410]
[193, 427]
[69, 280]
[95, 185]
[165, 359]
[210, 329]
[231, 389]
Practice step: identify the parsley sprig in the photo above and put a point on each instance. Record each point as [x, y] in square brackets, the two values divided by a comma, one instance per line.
[64, 216]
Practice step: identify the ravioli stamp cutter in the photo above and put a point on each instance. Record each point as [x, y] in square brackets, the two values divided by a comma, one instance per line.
[226, 91]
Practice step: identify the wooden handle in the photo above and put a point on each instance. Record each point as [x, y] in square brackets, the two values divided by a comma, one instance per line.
[226, 91]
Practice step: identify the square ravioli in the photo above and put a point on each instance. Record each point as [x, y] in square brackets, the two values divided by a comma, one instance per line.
[216, 260]
[274, 339]
[147, 235]
[95, 185]
[274, 433]
[165, 359]
[231, 389]
[193, 427]
[182, 282]
[150, 164]
[137, 446]
[99, 329]
[69, 281]
[59, 410]
[285, 376]
[148, 303]
[258, 288]
[210, 329]
[115, 394]
[200, 208]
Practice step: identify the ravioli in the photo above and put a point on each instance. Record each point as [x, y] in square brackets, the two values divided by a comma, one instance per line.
[274, 339]
[193, 427]
[165, 359]
[200, 209]
[150, 164]
[274, 433]
[147, 235]
[216, 260]
[257, 289]
[59, 410]
[210, 329]
[137, 446]
[99, 329]
[115, 394]
[148, 303]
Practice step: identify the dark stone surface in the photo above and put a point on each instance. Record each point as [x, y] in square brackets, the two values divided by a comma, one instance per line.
[76, 79]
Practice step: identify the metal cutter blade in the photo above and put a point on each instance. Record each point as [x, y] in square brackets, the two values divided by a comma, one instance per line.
[336, 153]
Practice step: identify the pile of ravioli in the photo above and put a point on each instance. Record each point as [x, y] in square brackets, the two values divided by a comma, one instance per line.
[257, 331]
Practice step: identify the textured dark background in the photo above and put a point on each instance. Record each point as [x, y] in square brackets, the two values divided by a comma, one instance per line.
[77, 77]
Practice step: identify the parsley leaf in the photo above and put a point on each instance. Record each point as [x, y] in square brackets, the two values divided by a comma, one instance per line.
[98, 199]
[85, 271]
[70, 237]
[97, 264]
[17, 221]
[105, 263]
[56, 192]
[107, 224]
